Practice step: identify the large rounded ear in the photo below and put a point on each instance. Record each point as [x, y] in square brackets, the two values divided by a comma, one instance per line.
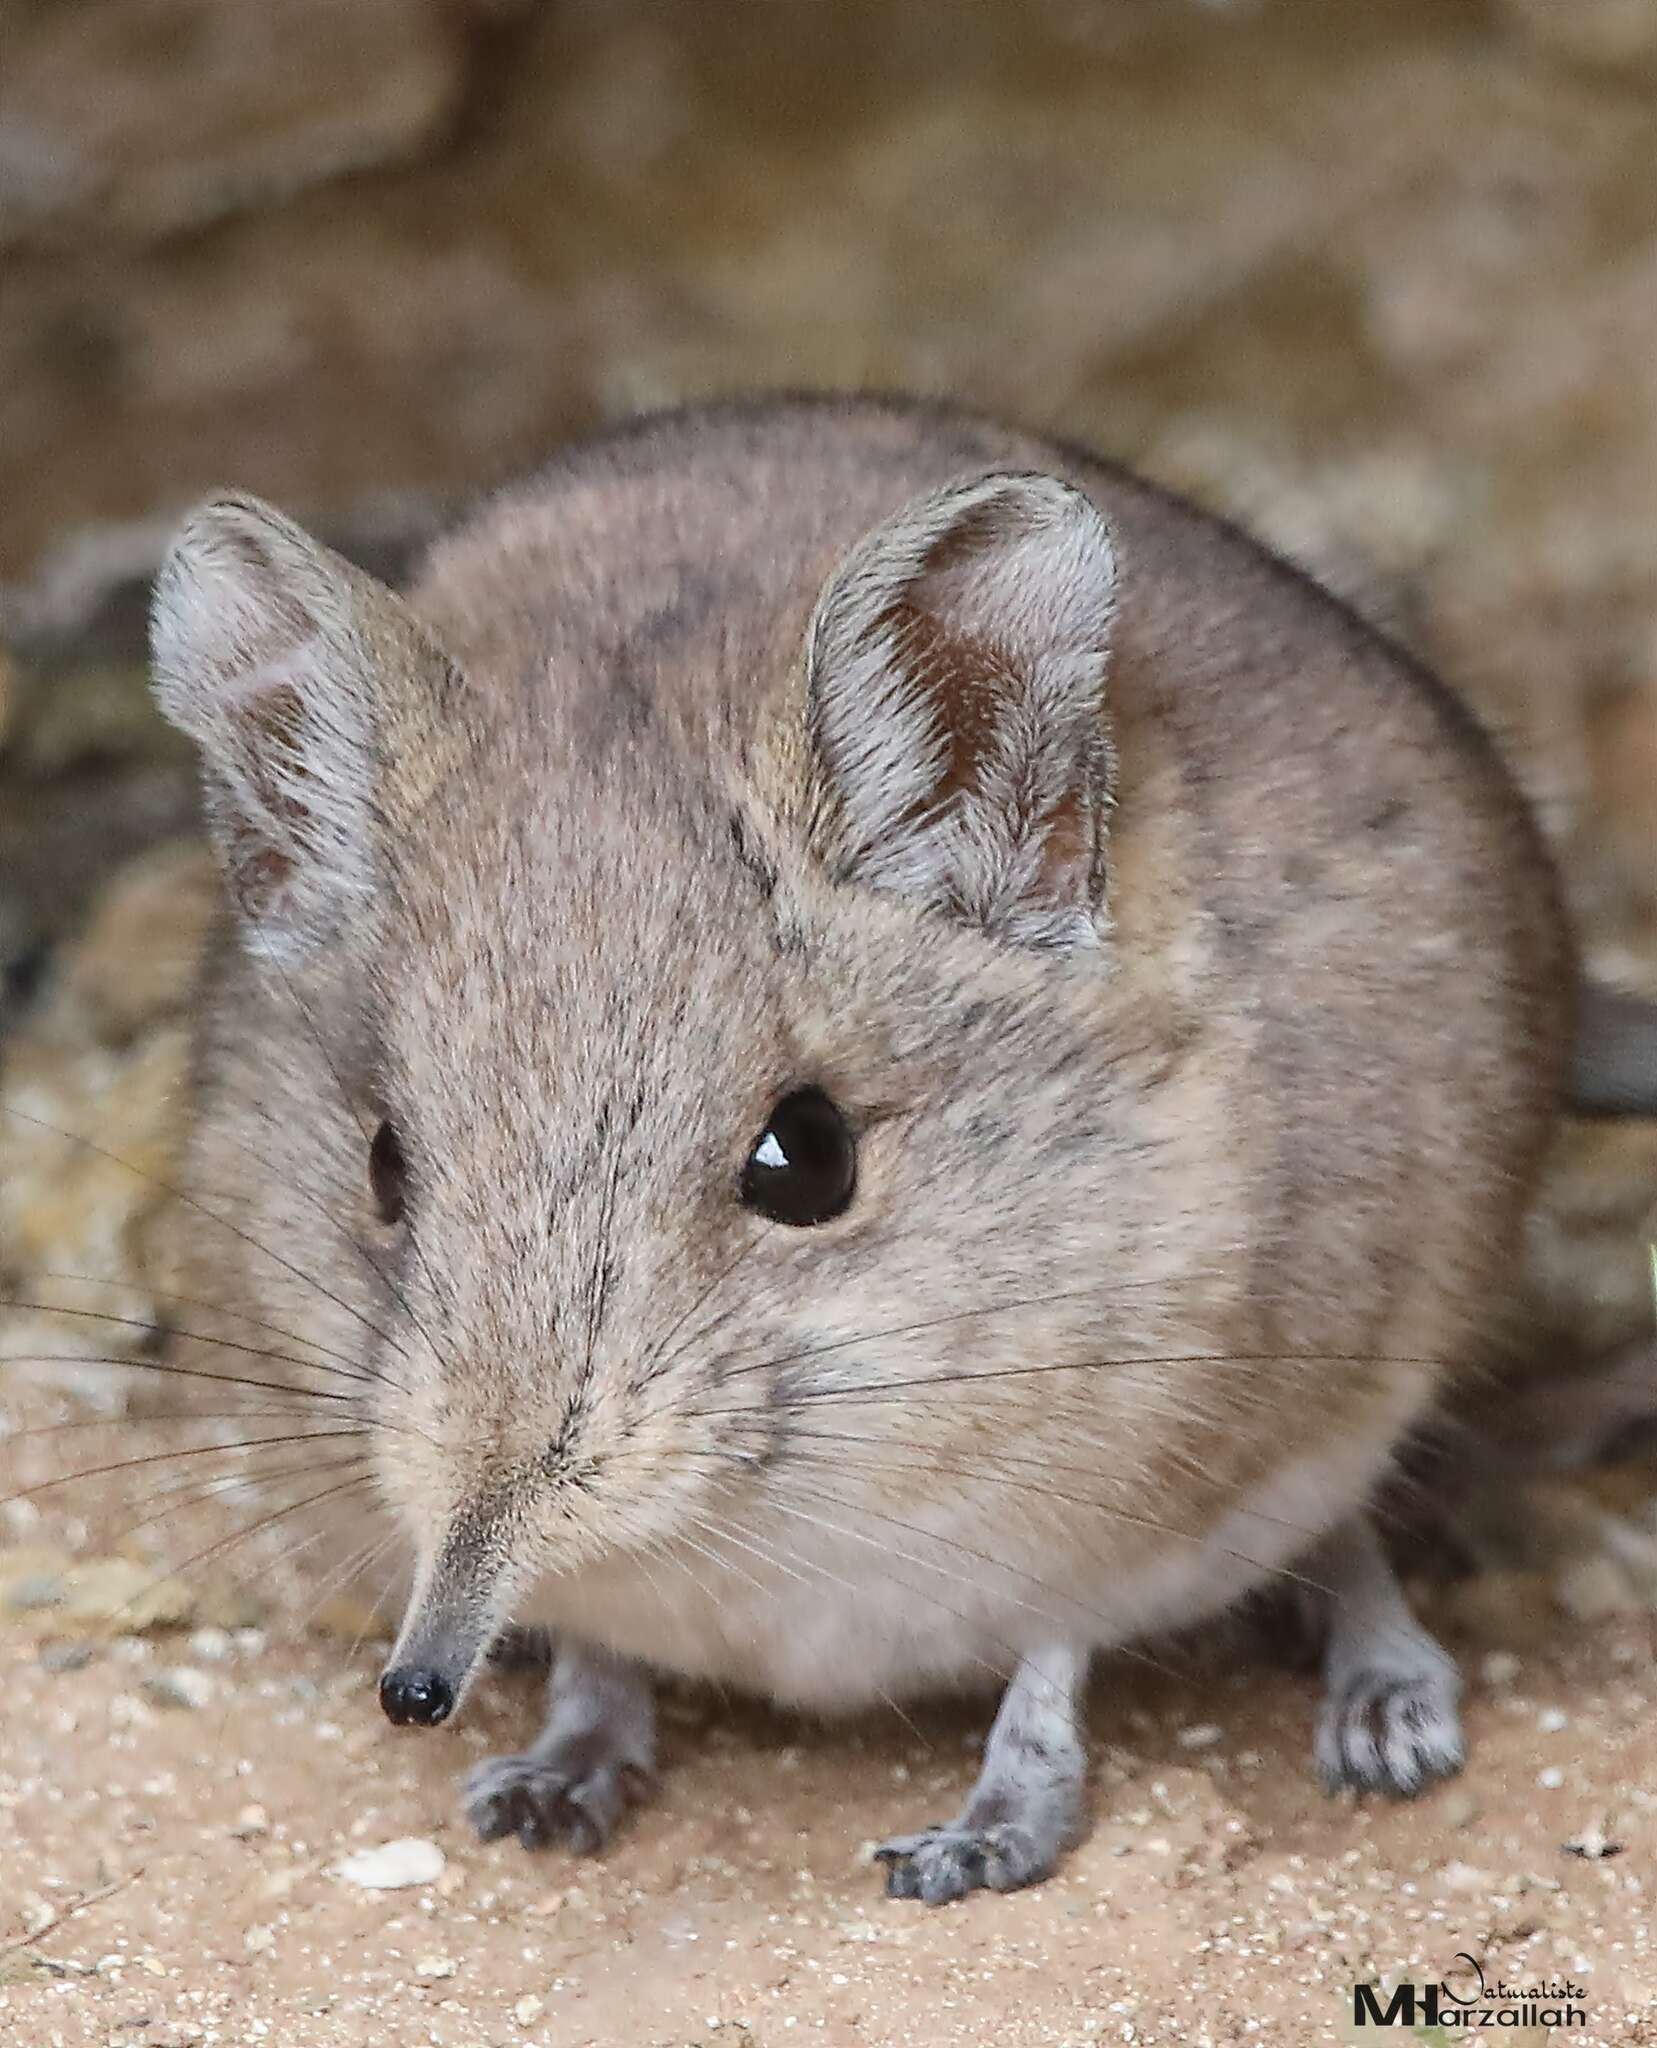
[956, 670]
[312, 694]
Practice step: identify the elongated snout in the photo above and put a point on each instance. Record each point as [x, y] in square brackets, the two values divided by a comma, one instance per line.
[452, 1619]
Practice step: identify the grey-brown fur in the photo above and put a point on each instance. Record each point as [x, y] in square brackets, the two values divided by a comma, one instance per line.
[1197, 1111]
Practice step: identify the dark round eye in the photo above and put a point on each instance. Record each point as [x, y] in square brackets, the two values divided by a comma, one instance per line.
[804, 1168]
[387, 1174]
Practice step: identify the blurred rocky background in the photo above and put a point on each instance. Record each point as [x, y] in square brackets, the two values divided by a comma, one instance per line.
[1379, 281]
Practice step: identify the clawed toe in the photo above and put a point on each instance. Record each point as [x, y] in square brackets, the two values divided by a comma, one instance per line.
[1386, 1732]
[944, 1863]
[545, 1803]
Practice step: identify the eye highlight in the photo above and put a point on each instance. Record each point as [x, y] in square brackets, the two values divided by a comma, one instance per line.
[803, 1169]
[388, 1174]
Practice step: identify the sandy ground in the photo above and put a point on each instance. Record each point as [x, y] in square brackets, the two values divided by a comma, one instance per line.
[176, 1806]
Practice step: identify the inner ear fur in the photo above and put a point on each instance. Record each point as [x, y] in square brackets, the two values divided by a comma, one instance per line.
[956, 670]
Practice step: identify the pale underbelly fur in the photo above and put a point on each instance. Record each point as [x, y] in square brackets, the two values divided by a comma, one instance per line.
[853, 1616]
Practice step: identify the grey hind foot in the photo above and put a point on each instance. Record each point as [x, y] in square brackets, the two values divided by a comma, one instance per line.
[940, 1864]
[1390, 1732]
[1391, 1718]
[1027, 1806]
[595, 1757]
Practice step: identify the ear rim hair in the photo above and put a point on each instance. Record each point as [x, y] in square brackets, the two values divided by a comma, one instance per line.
[291, 671]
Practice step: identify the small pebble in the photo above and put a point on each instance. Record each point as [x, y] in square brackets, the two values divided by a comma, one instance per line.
[1459, 1810]
[1593, 1845]
[393, 1865]
[39, 1589]
[212, 1645]
[38, 1913]
[1551, 1720]
[250, 1822]
[528, 2010]
[1203, 1735]
[430, 1968]
[181, 1685]
[65, 1656]
[1551, 1779]
[1500, 1667]
[1595, 1589]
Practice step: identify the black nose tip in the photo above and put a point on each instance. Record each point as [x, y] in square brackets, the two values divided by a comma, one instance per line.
[417, 1697]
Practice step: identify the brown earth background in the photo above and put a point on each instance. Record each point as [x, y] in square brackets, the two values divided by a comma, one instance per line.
[1380, 281]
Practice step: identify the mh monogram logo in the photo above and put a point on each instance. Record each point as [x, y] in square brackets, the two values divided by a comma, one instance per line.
[1466, 1998]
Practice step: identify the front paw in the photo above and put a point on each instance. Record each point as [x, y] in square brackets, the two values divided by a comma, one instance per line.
[571, 1797]
[1386, 1731]
[944, 1863]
